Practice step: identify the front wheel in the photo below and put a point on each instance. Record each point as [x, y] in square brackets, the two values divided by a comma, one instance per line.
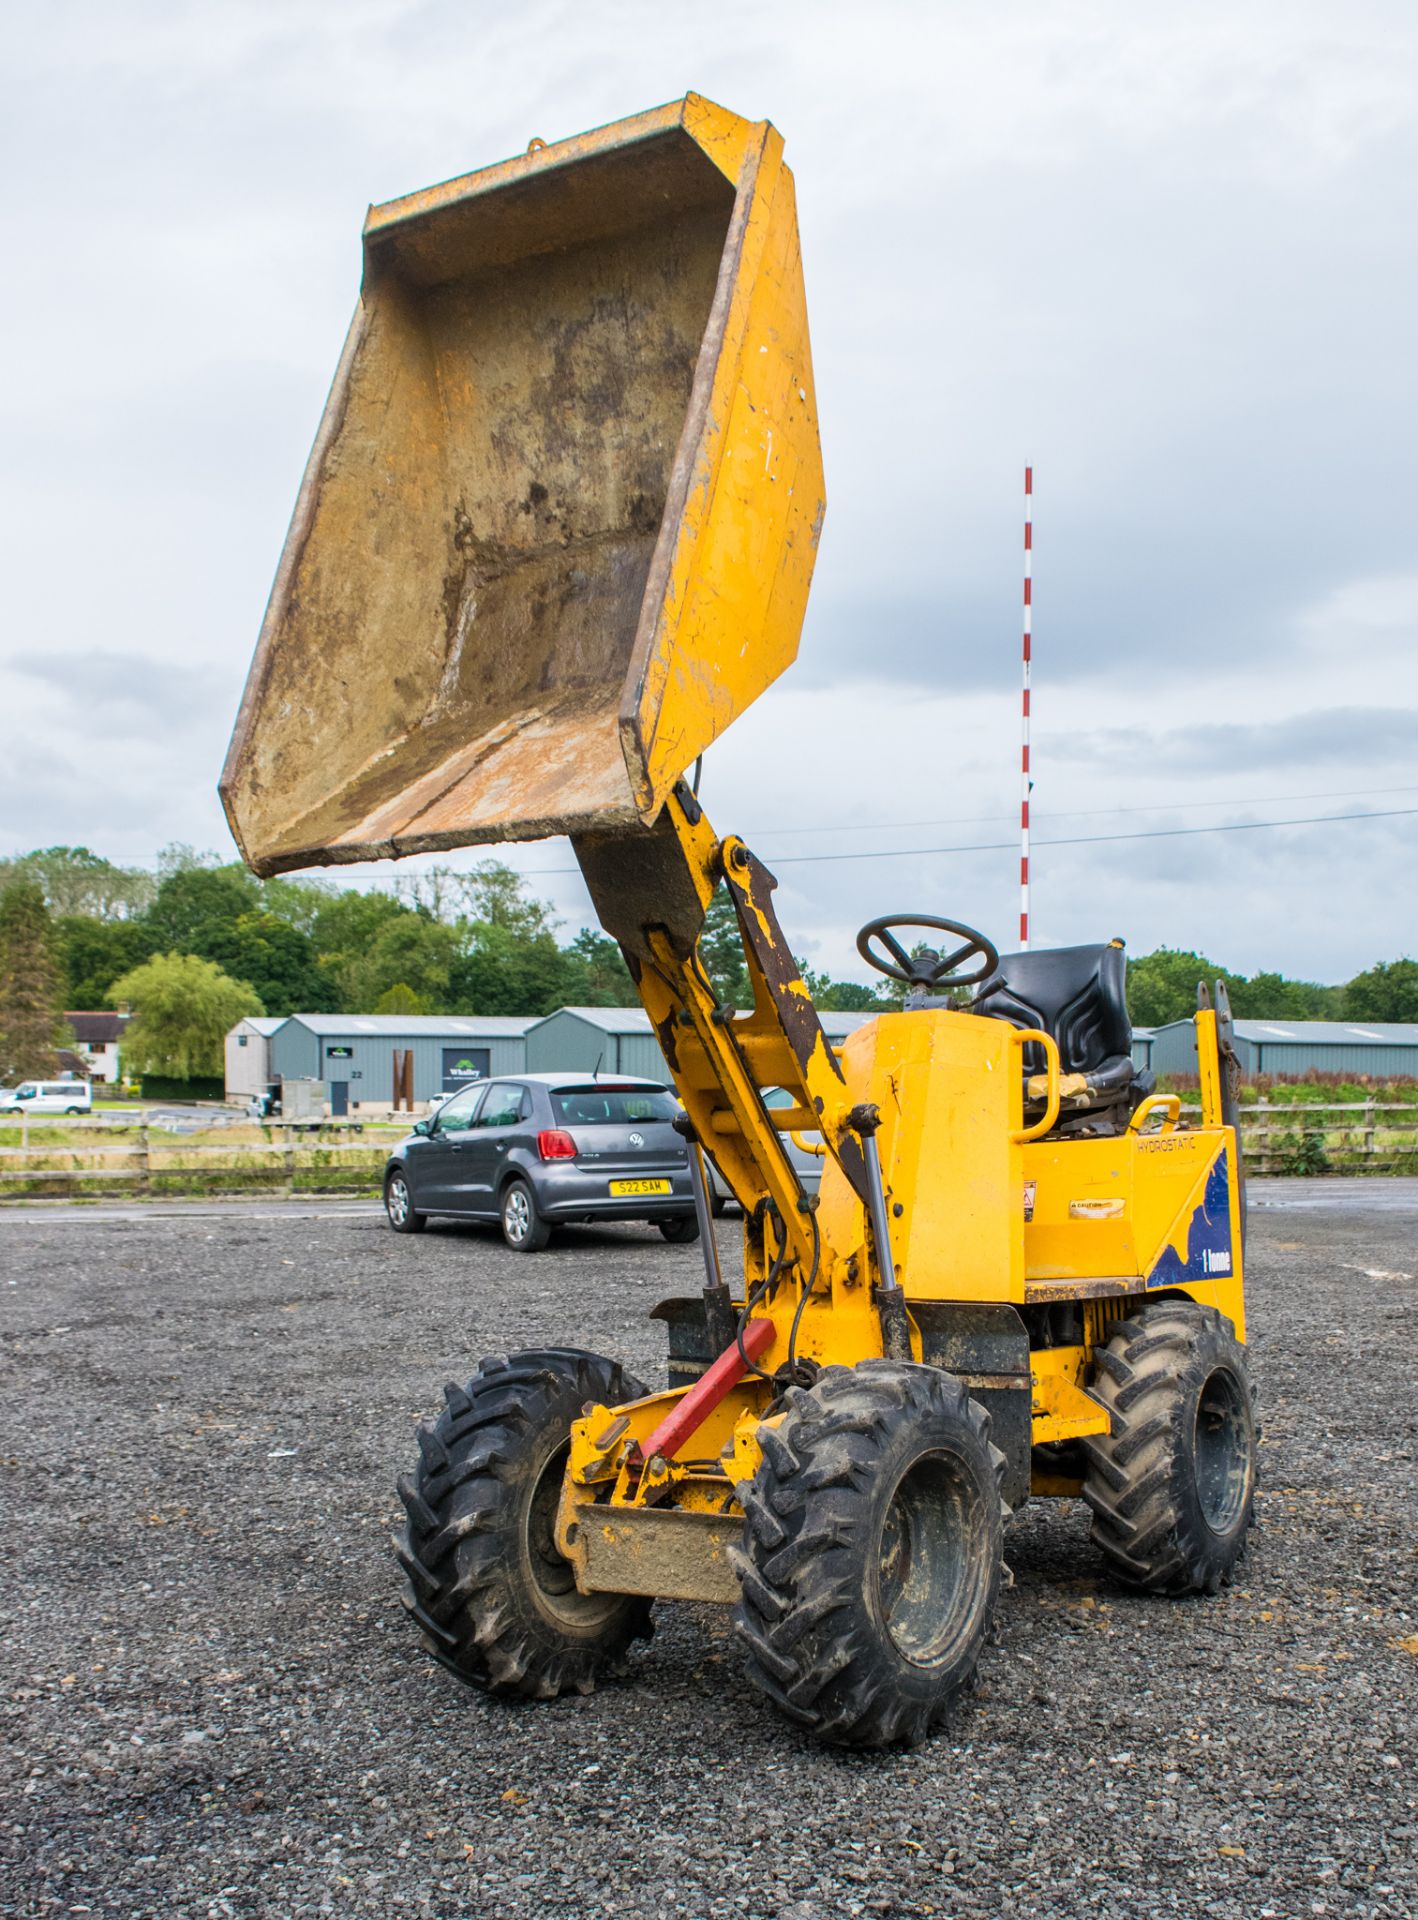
[679, 1232]
[872, 1552]
[1172, 1487]
[523, 1228]
[399, 1204]
[492, 1597]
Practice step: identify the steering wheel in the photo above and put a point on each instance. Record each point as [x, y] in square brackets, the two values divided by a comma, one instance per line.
[929, 968]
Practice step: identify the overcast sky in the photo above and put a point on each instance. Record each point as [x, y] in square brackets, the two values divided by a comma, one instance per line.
[1167, 254]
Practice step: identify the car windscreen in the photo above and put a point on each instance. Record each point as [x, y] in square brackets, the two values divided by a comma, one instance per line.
[612, 1106]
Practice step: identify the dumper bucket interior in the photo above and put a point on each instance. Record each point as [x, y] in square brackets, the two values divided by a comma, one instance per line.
[559, 522]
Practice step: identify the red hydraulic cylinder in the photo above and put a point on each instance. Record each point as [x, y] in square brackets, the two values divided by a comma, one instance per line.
[692, 1409]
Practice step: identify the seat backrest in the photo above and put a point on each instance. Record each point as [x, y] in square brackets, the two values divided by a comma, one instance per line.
[1077, 994]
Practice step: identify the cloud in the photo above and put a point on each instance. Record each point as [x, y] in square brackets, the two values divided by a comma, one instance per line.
[1325, 738]
[127, 693]
[1168, 258]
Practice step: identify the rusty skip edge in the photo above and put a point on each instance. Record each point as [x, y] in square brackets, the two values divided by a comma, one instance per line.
[387, 216]
[664, 1553]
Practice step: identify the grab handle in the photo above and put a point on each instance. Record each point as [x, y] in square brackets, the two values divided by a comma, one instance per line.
[1154, 1103]
[1023, 1037]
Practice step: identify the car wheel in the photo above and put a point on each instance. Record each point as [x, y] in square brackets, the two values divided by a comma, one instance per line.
[679, 1232]
[399, 1204]
[523, 1228]
[73, 1109]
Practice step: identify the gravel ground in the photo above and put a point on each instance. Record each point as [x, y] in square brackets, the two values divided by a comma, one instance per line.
[212, 1704]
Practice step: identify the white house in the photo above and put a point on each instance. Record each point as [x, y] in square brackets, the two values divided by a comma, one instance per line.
[98, 1042]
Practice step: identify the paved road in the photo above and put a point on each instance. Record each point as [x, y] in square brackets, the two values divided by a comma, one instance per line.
[1335, 1194]
[68, 1213]
[211, 1704]
[1331, 1195]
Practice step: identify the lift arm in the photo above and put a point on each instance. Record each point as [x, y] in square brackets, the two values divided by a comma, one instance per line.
[651, 888]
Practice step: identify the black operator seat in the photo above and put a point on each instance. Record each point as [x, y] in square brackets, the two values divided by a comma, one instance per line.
[1079, 996]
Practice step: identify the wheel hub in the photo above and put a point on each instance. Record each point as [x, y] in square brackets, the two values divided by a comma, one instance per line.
[1223, 1453]
[925, 1564]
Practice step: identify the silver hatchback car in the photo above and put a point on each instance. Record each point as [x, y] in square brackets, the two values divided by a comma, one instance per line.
[541, 1150]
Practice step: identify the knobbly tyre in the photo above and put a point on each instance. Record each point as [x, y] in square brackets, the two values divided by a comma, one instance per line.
[556, 533]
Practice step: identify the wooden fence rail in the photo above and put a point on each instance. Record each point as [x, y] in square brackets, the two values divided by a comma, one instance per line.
[154, 1158]
[1342, 1136]
[1284, 1136]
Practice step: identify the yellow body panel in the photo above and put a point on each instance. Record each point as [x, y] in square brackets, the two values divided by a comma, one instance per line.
[948, 1087]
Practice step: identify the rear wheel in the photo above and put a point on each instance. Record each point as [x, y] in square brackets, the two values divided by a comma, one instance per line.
[1172, 1487]
[523, 1228]
[678, 1232]
[872, 1552]
[494, 1600]
[399, 1204]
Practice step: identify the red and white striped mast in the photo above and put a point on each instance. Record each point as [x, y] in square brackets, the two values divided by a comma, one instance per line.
[1025, 782]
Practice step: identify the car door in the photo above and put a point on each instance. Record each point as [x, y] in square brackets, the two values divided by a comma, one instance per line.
[498, 1124]
[434, 1161]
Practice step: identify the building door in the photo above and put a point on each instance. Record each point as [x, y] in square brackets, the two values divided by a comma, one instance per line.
[339, 1099]
[462, 1066]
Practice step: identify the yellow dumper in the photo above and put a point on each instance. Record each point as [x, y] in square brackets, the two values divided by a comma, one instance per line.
[557, 532]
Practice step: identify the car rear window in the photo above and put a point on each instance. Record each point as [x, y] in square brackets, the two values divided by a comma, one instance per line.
[612, 1106]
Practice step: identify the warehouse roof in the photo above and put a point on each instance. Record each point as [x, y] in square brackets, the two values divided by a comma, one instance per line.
[1322, 1033]
[635, 1020]
[263, 1023]
[608, 1019]
[417, 1026]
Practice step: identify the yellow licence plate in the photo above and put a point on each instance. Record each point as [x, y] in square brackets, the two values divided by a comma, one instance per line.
[619, 1187]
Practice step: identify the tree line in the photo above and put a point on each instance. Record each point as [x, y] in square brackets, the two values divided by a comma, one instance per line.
[198, 944]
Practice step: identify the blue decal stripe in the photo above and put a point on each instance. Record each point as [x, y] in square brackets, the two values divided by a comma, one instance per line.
[1209, 1253]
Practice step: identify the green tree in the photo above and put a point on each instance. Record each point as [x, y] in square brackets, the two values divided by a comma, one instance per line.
[1270, 996]
[597, 975]
[298, 902]
[1162, 985]
[184, 1008]
[179, 857]
[1387, 991]
[195, 898]
[93, 953]
[344, 929]
[400, 999]
[721, 950]
[406, 951]
[76, 881]
[274, 958]
[31, 1022]
[493, 895]
[843, 996]
[505, 972]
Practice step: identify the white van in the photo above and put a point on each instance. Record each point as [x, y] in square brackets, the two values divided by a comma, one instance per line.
[48, 1096]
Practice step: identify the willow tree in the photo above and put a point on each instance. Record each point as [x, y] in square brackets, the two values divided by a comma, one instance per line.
[183, 1009]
